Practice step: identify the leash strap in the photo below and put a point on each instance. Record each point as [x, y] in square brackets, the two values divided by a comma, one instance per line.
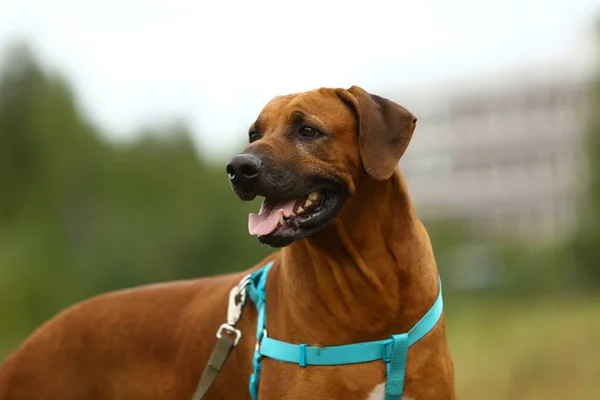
[228, 336]
[252, 285]
[217, 359]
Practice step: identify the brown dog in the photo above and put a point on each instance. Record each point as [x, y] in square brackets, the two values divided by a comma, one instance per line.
[357, 266]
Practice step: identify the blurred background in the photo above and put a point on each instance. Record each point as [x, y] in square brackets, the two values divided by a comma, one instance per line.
[117, 118]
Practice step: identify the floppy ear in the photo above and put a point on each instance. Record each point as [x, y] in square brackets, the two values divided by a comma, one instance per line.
[384, 130]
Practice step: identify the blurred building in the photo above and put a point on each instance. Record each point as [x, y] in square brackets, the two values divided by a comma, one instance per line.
[503, 153]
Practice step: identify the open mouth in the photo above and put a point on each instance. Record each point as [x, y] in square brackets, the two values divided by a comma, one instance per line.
[280, 223]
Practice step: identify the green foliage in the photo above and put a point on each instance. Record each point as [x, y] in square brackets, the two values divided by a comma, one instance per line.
[80, 216]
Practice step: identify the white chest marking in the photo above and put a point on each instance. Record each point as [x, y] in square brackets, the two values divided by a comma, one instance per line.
[378, 393]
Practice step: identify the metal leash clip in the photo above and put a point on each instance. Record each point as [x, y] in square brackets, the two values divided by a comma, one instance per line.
[237, 300]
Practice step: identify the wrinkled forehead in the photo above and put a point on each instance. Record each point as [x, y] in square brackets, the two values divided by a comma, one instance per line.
[321, 106]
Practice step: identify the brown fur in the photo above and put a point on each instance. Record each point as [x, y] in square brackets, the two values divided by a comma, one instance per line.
[368, 275]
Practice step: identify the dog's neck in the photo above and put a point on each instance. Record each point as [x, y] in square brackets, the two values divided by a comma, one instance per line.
[366, 278]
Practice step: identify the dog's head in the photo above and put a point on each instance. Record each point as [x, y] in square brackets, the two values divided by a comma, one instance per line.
[308, 151]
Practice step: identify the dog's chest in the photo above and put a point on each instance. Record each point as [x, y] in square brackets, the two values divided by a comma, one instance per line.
[378, 393]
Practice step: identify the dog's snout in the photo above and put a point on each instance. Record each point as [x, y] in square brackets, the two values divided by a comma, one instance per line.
[243, 166]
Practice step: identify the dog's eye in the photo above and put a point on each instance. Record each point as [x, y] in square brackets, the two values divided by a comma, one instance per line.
[253, 136]
[308, 132]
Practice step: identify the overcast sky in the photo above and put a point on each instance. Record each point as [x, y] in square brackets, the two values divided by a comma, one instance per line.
[215, 64]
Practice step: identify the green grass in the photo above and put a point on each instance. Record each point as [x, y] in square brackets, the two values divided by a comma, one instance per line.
[525, 349]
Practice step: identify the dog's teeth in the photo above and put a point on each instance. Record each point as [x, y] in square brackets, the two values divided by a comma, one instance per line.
[313, 196]
[300, 210]
[293, 214]
[307, 203]
[281, 220]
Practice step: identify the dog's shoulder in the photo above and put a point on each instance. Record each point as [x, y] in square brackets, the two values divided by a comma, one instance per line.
[150, 321]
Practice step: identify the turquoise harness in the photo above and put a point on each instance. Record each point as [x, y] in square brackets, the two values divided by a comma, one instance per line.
[391, 351]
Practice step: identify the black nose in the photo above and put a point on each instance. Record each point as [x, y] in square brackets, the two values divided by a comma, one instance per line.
[243, 166]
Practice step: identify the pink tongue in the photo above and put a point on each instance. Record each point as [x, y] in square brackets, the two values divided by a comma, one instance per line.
[268, 217]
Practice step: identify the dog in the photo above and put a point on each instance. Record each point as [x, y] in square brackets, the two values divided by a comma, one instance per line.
[356, 266]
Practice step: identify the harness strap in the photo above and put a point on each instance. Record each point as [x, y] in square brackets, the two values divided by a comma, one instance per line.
[256, 291]
[335, 355]
[392, 351]
[396, 366]
[351, 353]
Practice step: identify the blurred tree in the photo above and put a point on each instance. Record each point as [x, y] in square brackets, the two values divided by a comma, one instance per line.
[80, 215]
[585, 248]
[586, 245]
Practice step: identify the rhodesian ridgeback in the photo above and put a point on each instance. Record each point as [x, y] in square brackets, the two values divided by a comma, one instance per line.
[356, 266]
